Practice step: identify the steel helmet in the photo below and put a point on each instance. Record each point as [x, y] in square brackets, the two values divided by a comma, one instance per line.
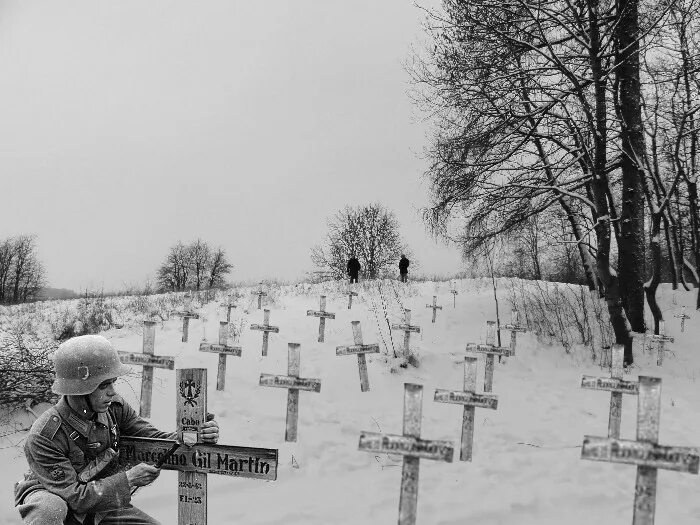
[83, 362]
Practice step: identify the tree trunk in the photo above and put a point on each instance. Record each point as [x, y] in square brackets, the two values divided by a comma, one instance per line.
[653, 284]
[631, 256]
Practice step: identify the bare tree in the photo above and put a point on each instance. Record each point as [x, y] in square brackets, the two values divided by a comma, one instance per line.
[173, 274]
[369, 232]
[219, 267]
[199, 259]
[195, 265]
[22, 275]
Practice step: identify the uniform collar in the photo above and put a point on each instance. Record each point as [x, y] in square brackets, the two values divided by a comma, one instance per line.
[79, 421]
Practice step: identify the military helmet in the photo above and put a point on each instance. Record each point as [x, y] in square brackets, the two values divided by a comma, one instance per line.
[83, 362]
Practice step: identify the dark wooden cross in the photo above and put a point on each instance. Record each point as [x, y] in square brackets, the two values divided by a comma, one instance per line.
[229, 307]
[616, 386]
[293, 383]
[471, 400]
[407, 329]
[411, 447]
[645, 452]
[514, 326]
[186, 316]
[223, 349]
[322, 315]
[661, 341]
[683, 316]
[266, 328]
[491, 350]
[350, 295]
[260, 295]
[149, 362]
[434, 306]
[360, 350]
[193, 459]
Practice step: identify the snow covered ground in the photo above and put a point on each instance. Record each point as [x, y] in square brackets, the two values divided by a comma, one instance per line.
[526, 465]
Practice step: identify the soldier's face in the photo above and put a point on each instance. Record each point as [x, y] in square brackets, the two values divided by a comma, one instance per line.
[101, 398]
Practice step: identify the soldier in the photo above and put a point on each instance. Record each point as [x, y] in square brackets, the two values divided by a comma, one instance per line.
[354, 267]
[403, 268]
[71, 449]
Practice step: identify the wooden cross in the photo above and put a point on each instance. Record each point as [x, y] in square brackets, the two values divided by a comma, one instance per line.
[683, 316]
[195, 461]
[434, 306]
[454, 297]
[350, 295]
[471, 400]
[293, 383]
[223, 350]
[266, 328]
[186, 316]
[514, 327]
[260, 295]
[149, 362]
[645, 452]
[322, 315]
[229, 307]
[616, 385]
[490, 349]
[661, 340]
[407, 329]
[359, 349]
[411, 447]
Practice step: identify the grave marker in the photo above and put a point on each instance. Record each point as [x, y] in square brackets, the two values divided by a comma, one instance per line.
[407, 329]
[411, 447]
[490, 349]
[149, 362]
[229, 307]
[434, 306]
[616, 385]
[350, 295]
[260, 295]
[322, 315]
[661, 340]
[223, 350]
[293, 383]
[454, 297]
[645, 452]
[514, 326]
[186, 316]
[266, 328]
[471, 400]
[360, 350]
[683, 316]
[194, 462]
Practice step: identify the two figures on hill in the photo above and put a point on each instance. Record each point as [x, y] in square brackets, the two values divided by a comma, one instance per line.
[354, 268]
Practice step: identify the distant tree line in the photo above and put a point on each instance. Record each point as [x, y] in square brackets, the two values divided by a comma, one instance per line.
[194, 266]
[22, 275]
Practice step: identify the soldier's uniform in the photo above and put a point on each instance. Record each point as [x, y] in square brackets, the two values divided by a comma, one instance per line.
[74, 476]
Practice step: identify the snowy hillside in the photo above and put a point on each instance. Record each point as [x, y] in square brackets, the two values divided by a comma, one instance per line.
[526, 466]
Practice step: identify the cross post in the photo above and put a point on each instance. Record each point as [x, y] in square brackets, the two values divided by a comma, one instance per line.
[260, 295]
[616, 385]
[293, 383]
[322, 315]
[186, 316]
[645, 452]
[407, 329]
[514, 326]
[471, 400]
[223, 349]
[683, 316]
[229, 307]
[360, 350]
[491, 350]
[661, 341]
[193, 459]
[434, 306]
[149, 362]
[350, 295]
[454, 297]
[411, 447]
[265, 328]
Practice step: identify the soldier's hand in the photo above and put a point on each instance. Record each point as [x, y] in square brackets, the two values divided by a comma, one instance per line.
[142, 474]
[210, 430]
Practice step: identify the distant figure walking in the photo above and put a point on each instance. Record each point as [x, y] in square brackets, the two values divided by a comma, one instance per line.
[403, 268]
[353, 268]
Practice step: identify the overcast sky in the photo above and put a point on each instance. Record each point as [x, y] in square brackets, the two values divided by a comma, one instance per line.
[126, 126]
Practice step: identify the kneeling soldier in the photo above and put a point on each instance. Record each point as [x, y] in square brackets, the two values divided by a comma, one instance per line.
[71, 449]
